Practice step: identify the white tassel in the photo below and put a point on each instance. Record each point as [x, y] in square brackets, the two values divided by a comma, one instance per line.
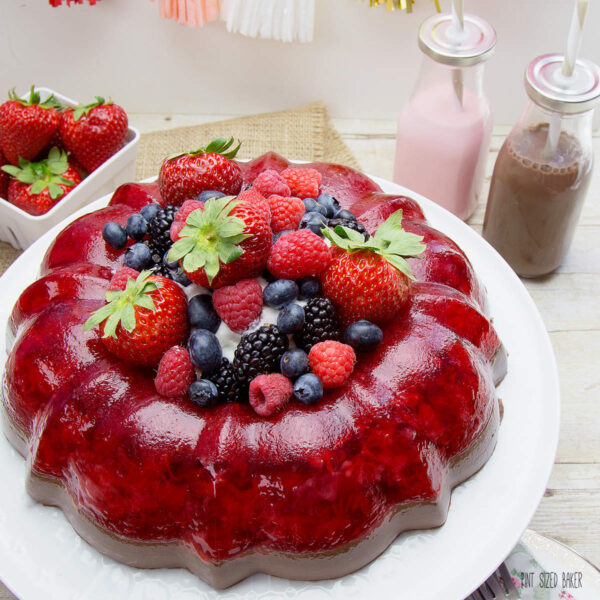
[283, 20]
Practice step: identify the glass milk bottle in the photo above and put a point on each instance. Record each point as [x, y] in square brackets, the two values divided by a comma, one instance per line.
[444, 129]
[544, 168]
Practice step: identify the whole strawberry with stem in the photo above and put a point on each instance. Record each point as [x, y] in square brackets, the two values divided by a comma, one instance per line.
[225, 241]
[93, 132]
[27, 126]
[370, 279]
[140, 323]
[187, 174]
[36, 187]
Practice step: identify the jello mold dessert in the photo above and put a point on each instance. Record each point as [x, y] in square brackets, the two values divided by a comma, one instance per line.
[244, 472]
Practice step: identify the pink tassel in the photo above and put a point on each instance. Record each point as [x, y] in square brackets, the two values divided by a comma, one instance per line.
[193, 13]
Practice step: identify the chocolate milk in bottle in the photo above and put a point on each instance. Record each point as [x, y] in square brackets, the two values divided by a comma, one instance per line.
[544, 168]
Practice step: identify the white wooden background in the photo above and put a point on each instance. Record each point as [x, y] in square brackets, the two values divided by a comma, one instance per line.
[568, 302]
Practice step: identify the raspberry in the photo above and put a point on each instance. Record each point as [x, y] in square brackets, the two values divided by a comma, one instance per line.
[303, 183]
[270, 182]
[285, 212]
[258, 201]
[175, 373]
[269, 393]
[176, 228]
[121, 277]
[332, 362]
[298, 254]
[239, 305]
[187, 208]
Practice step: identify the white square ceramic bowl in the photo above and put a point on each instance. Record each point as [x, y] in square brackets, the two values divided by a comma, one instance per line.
[20, 229]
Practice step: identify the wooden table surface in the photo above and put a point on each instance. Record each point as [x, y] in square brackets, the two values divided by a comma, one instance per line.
[568, 301]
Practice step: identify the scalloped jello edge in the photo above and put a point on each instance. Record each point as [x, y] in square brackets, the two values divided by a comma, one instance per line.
[329, 564]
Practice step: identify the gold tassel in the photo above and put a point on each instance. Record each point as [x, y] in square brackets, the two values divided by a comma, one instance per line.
[406, 5]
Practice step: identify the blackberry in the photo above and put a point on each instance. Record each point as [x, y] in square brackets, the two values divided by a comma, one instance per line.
[350, 225]
[320, 324]
[259, 352]
[159, 228]
[226, 380]
[156, 254]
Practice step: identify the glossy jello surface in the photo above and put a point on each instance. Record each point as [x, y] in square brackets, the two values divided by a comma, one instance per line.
[226, 482]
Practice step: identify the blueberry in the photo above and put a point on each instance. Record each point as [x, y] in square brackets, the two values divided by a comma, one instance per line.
[202, 313]
[308, 389]
[276, 236]
[170, 265]
[136, 227]
[311, 205]
[205, 350]
[309, 287]
[346, 215]
[203, 393]
[313, 221]
[180, 277]
[280, 292]
[150, 211]
[330, 204]
[206, 194]
[363, 336]
[138, 256]
[290, 318]
[114, 235]
[294, 363]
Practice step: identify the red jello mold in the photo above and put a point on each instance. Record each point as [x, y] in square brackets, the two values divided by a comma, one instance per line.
[313, 492]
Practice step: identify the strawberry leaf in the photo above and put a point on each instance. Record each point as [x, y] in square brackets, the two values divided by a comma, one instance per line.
[37, 187]
[55, 190]
[11, 170]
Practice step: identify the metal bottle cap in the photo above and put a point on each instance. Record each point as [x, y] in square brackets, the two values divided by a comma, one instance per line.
[440, 40]
[547, 86]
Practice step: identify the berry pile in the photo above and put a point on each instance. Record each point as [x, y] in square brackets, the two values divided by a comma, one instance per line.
[326, 302]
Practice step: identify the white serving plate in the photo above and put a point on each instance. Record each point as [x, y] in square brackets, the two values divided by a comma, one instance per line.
[20, 229]
[41, 556]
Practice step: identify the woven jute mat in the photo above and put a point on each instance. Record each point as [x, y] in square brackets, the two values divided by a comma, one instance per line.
[304, 133]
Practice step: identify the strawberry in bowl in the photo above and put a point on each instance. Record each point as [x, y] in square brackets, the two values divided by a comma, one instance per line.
[36, 187]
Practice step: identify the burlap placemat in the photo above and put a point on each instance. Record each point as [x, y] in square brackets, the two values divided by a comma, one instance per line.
[304, 133]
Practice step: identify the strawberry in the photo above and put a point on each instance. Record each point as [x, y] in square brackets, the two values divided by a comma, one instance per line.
[27, 126]
[140, 323]
[94, 132]
[226, 241]
[38, 186]
[370, 279]
[4, 177]
[187, 174]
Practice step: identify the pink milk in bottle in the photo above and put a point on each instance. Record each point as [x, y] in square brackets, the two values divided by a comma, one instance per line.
[444, 129]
